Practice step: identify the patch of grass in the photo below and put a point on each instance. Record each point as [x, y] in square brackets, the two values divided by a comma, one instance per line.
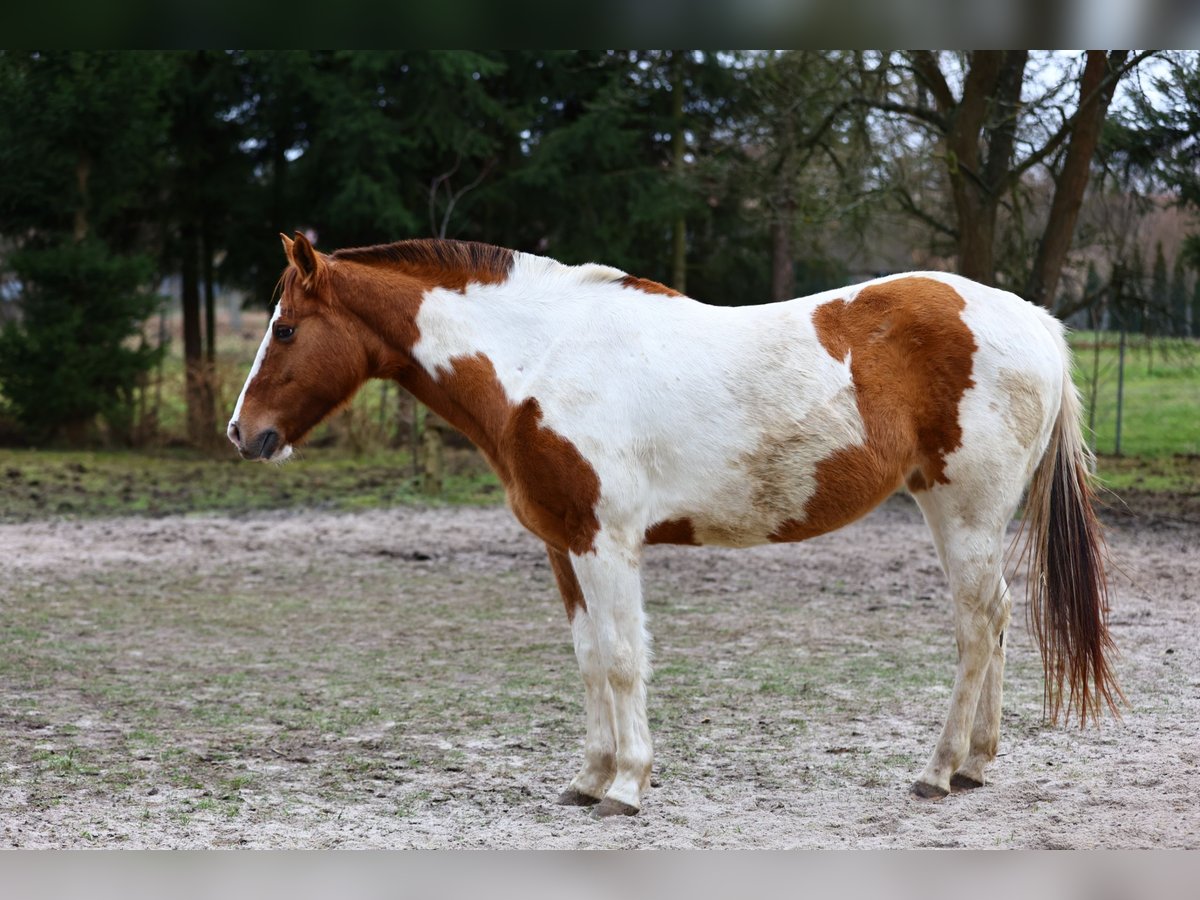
[1169, 473]
[36, 484]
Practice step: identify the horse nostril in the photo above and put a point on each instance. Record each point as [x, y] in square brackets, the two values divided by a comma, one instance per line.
[234, 433]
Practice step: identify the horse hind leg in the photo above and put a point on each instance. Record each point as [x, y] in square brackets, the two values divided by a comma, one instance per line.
[985, 735]
[970, 547]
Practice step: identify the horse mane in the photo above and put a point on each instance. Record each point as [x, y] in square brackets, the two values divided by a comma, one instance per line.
[436, 253]
[475, 261]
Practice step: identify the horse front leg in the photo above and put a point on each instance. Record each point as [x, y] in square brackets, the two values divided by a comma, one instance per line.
[610, 577]
[600, 746]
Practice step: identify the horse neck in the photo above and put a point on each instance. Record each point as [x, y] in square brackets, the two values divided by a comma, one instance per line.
[455, 341]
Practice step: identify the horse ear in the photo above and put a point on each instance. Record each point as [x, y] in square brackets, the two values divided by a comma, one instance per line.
[287, 245]
[305, 259]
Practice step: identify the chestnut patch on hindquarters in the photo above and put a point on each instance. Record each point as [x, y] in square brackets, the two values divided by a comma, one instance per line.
[911, 359]
[648, 286]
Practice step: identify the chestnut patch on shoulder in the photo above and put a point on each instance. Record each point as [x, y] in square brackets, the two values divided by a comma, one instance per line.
[648, 286]
[911, 359]
[672, 531]
[551, 488]
[469, 396]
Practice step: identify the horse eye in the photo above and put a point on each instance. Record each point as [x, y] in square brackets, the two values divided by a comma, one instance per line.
[284, 332]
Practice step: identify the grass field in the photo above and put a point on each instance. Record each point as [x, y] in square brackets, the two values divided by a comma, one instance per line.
[39, 483]
[1161, 406]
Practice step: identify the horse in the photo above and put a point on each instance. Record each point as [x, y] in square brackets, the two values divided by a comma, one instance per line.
[618, 413]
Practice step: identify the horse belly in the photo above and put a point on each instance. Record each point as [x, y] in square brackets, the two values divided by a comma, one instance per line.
[795, 483]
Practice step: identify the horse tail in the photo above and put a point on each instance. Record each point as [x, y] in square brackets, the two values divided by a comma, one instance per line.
[1068, 588]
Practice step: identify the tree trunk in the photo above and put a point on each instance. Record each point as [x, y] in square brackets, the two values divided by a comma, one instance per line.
[198, 389]
[976, 214]
[986, 116]
[679, 228]
[210, 297]
[783, 267]
[83, 172]
[1072, 181]
[432, 457]
[975, 200]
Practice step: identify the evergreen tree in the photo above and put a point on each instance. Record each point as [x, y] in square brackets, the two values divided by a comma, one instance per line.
[80, 152]
[1177, 302]
[1157, 301]
[206, 172]
[1196, 309]
[1134, 294]
[70, 358]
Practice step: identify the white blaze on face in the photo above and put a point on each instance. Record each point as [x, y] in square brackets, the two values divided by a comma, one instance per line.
[286, 450]
[262, 352]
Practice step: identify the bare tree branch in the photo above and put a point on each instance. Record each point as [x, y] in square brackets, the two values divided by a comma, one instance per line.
[1069, 123]
[910, 206]
[435, 186]
[926, 66]
[454, 197]
[904, 109]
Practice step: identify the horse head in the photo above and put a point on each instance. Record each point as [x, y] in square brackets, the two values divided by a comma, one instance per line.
[311, 361]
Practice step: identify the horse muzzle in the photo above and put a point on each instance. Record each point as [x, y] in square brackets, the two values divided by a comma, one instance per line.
[265, 445]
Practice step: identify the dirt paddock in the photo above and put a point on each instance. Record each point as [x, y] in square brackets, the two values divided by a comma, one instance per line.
[404, 678]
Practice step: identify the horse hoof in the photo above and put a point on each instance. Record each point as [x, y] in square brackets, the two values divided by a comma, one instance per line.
[572, 797]
[610, 807]
[927, 791]
[961, 782]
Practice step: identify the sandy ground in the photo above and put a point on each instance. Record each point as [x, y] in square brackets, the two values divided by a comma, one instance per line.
[404, 678]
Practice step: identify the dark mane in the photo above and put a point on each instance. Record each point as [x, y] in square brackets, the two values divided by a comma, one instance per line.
[436, 253]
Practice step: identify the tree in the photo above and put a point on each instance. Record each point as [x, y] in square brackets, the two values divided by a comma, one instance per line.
[80, 160]
[71, 358]
[800, 159]
[1158, 142]
[1196, 309]
[978, 129]
[207, 170]
[1134, 295]
[1157, 301]
[1177, 298]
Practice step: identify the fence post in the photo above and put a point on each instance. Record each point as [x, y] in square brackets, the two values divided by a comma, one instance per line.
[1120, 387]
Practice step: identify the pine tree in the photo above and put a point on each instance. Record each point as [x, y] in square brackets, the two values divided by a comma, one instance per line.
[1177, 301]
[80, 154]
[1157, 301]
[70, 357]
[1133, 295]
[1196, 309]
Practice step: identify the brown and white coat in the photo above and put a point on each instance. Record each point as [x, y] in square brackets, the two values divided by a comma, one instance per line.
[619, 413]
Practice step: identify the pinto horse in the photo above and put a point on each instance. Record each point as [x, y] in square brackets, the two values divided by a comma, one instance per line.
[618, 413]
